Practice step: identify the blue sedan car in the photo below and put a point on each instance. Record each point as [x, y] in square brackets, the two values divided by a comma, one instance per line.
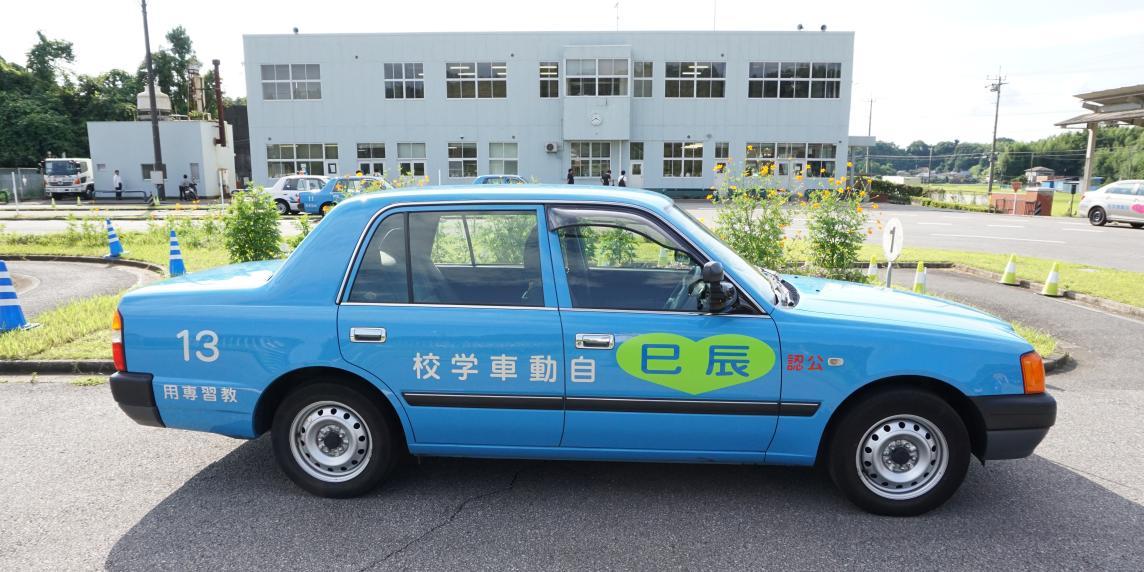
[589, 324]
[337, 189]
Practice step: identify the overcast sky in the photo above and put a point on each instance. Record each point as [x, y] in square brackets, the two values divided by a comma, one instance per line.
[924, 63]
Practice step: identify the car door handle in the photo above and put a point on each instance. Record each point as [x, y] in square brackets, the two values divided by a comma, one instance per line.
[368, 335]
[595, 341]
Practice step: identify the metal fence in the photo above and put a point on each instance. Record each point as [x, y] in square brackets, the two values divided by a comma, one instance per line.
[28, 182]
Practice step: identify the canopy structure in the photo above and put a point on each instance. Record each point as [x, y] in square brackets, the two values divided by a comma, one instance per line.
[1120, 106]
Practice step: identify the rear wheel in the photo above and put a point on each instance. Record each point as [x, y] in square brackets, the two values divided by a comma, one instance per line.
[333, 441]
[282, 206]
[1097, 217]
[1137, 224]
[900, 452]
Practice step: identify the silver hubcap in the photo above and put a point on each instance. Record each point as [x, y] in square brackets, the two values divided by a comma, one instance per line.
[1097, 216]
[902, 457]
[330, 441]
[281, 208]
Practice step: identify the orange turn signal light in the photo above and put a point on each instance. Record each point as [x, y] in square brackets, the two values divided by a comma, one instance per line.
[1033, 372]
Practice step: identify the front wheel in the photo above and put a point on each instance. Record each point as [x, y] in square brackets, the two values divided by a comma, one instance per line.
[282, 206]
[1097, 217]
[333, 441]
[899, 453]
[1137, 224]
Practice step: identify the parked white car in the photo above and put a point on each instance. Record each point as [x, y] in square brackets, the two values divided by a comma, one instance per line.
[287, 191]
[1122, 201]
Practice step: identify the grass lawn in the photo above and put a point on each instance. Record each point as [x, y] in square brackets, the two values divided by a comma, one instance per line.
[60, 331]
[195, 258]
[977, 188]
[1042, 341]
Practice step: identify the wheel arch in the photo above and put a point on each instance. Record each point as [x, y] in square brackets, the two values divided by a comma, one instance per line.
[278, 389]
[966, 410]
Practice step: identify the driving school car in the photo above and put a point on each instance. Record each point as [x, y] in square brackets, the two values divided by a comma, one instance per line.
[588, 324]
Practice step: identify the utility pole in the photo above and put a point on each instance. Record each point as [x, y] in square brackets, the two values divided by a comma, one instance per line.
[995, 87]
[929, 169]
[617, 16]
[151, 92]
[869, 130]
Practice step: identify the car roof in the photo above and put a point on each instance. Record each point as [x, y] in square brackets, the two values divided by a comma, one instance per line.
[521, 193]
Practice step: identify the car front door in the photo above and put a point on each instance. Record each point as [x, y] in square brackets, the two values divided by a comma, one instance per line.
[647, 368]
[1120, 197]
[454, 310]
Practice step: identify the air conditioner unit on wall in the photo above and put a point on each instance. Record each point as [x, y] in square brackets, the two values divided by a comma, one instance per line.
[552, 147]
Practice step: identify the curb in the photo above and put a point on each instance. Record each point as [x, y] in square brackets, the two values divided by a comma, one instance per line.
[1056, 360]
[1086, 299]
[88, 259]
[94, 367]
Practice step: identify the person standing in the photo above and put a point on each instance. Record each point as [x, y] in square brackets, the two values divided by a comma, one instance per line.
[571, 178]
[117, 183]
[623, 180]
[606, 178]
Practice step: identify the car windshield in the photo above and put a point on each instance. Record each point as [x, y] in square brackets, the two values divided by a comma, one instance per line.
[61, 168]
[775, 289]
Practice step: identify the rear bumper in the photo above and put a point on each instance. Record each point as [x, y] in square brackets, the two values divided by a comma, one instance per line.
[133, 393]
[1015, 424]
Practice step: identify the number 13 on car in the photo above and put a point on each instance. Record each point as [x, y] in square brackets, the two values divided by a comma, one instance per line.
[579, 324]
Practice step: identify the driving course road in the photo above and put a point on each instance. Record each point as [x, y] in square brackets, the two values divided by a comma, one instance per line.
[42, 286]
[84, 487]
[1065, 239]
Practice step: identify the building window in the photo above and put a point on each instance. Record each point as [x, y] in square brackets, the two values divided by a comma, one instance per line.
[820, 159]
[794, 80]
[792, 159]
[291, 81]
[502, 159]
[301, 158]
[597, 77]
[462, 160]
[590, 158]
[641, 85]
[722, 155]
[371, 158]
[684, 159]
[480, 80]
[549, 79]
[760, 159]
[635, 151]
[405, 81]
[411, 159]
[694, 79]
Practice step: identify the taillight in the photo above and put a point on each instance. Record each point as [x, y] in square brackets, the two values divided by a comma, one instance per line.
[1033, 372]
[117, 354]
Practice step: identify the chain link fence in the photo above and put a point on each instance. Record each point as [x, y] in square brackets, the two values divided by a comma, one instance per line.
[28, 182]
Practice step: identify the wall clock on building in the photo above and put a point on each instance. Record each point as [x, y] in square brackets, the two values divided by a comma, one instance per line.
[596, 119]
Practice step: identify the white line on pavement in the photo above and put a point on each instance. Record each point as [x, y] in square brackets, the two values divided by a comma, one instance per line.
[936, 223]
[1080, 230]
[999, 238]
[1005, 225]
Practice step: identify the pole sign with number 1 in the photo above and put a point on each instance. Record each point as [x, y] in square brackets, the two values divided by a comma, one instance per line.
[892, 239]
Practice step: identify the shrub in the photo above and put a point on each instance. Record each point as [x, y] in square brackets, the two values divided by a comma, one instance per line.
[955, 206]
[251, 227]
[835, 226]
[895, 193]
[751, 218]
[88, 231]
[304, 226]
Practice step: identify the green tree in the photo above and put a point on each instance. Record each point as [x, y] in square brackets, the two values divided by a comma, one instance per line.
[44, 58]
[250, 229]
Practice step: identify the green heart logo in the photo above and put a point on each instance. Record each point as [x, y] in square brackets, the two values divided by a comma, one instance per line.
[695, 367]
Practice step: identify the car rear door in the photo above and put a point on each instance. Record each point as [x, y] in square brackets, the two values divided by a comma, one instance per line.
[454, 310]
[646, 369]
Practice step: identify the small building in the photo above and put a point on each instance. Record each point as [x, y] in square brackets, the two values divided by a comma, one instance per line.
[188, 149]
[1110, 107]
[1037, 175]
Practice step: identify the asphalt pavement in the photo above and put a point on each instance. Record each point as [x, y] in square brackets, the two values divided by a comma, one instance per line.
[41, 286]
[84, 488]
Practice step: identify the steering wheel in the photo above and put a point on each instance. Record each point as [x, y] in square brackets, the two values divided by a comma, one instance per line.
[682, 292]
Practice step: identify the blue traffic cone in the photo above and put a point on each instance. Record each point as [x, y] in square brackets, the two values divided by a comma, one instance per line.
[114, 248]
[176, 267]
[11, 316]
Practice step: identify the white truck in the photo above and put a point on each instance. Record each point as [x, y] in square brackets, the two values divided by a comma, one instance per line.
[68, 176]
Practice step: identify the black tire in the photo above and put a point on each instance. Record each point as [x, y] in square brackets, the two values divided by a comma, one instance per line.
[1137, 225]
[377, 457]
[1097, 216]
[881, 414]
[283, 207]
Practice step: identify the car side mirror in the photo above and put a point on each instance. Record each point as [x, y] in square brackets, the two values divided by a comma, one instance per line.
[720, 295]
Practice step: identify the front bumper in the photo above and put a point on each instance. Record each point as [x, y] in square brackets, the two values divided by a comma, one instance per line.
[1015, 424]
[133, 393]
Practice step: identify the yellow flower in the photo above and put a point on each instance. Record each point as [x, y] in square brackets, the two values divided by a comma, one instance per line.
[798, 177]
[733, 187]
[859, 209]
[849, 164]
[815, 205]
[710, 196]
[869, 231]
[874, 205]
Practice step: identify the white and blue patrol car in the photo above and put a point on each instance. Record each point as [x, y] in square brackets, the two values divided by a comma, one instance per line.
[572, 323]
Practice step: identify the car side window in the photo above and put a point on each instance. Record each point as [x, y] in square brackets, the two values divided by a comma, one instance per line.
[382, 276]
[624, 261]
[290, 185]
[472, 258]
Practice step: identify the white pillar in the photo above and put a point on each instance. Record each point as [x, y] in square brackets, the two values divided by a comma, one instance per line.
[1089, 151]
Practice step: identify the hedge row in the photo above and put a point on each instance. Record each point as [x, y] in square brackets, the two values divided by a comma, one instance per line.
[925, 202]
